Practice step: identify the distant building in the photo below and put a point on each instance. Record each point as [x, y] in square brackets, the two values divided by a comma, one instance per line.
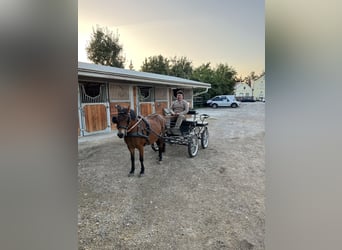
[258, 87]
[242, 89]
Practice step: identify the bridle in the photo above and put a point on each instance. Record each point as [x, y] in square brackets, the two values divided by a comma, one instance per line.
[128, 120]
[126, 128]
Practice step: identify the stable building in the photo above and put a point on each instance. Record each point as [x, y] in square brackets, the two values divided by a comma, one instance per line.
[100, 88]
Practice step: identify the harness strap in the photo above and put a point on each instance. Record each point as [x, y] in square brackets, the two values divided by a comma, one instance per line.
[147, 129]
[131, 128]
[137, 134]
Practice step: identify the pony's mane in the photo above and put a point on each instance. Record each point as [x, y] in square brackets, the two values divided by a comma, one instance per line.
[131, 113]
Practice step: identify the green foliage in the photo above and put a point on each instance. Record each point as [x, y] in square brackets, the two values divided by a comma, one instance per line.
[252, 77]
[203, 73]
[131, 66]
[221, 79]
[181, 67]
[104, 48]
[156, 64]
[224, 79]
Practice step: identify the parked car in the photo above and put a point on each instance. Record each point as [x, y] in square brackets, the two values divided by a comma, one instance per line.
[261, 99]
[223, 101]
[246, 99]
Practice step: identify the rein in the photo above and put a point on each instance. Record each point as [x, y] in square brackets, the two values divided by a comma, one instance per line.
[131, 128]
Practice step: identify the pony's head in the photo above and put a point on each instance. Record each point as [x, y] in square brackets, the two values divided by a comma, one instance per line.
[125, 116]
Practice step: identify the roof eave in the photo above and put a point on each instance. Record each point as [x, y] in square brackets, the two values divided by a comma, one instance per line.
[178, 82]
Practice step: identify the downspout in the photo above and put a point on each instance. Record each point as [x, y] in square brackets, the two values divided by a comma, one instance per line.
[203, 92]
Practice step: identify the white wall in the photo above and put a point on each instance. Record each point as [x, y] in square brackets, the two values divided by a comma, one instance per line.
[242, 89]
[259, 88]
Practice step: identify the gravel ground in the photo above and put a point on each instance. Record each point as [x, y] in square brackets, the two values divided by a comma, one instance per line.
[215, 200]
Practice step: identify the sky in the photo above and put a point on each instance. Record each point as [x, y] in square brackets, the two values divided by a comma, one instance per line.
[231, 32]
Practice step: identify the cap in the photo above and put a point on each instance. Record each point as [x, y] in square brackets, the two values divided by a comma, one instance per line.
[180, 92]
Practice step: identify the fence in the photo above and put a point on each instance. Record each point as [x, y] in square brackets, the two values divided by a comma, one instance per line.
[199, 101]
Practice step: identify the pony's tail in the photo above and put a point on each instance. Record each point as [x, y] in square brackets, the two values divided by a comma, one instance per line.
[161, 145]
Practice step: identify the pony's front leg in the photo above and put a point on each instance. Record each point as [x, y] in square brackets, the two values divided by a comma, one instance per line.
[141, 158]
[131, 173]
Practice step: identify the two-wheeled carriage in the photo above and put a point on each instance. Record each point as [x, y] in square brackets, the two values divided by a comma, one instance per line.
[193, 130]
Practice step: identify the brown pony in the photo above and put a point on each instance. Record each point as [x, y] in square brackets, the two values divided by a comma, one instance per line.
[139, 132]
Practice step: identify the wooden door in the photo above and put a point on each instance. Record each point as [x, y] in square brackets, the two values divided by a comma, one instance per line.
[146, 108]
[95, 117]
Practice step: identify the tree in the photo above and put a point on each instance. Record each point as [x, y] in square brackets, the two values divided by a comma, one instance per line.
[250, 78]
[224, 78]
[181, 67]
[156, 64]
[203, 73]
[104, 48]
[131, 66]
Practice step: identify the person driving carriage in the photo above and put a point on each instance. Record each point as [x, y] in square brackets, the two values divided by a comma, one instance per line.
[178, 110]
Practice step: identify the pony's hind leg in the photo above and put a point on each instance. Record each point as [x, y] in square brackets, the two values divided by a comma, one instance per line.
[131, 173]
[161, 149]
[141, 158]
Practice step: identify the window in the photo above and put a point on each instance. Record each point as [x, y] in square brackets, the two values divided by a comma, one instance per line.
[92, 89]
[93, 92]
[146, 94]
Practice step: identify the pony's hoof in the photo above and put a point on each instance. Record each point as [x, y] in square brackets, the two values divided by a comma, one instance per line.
[130, 174]
[141, 174]
[159, 161]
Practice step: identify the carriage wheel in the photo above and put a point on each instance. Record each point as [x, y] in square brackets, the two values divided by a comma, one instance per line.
[193, 146]
[205, 138]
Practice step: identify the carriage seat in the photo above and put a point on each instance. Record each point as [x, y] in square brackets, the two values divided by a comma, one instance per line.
[186, 124]
[192, 112]
[166, 111]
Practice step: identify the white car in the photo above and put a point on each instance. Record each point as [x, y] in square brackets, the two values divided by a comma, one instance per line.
[223, 101]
